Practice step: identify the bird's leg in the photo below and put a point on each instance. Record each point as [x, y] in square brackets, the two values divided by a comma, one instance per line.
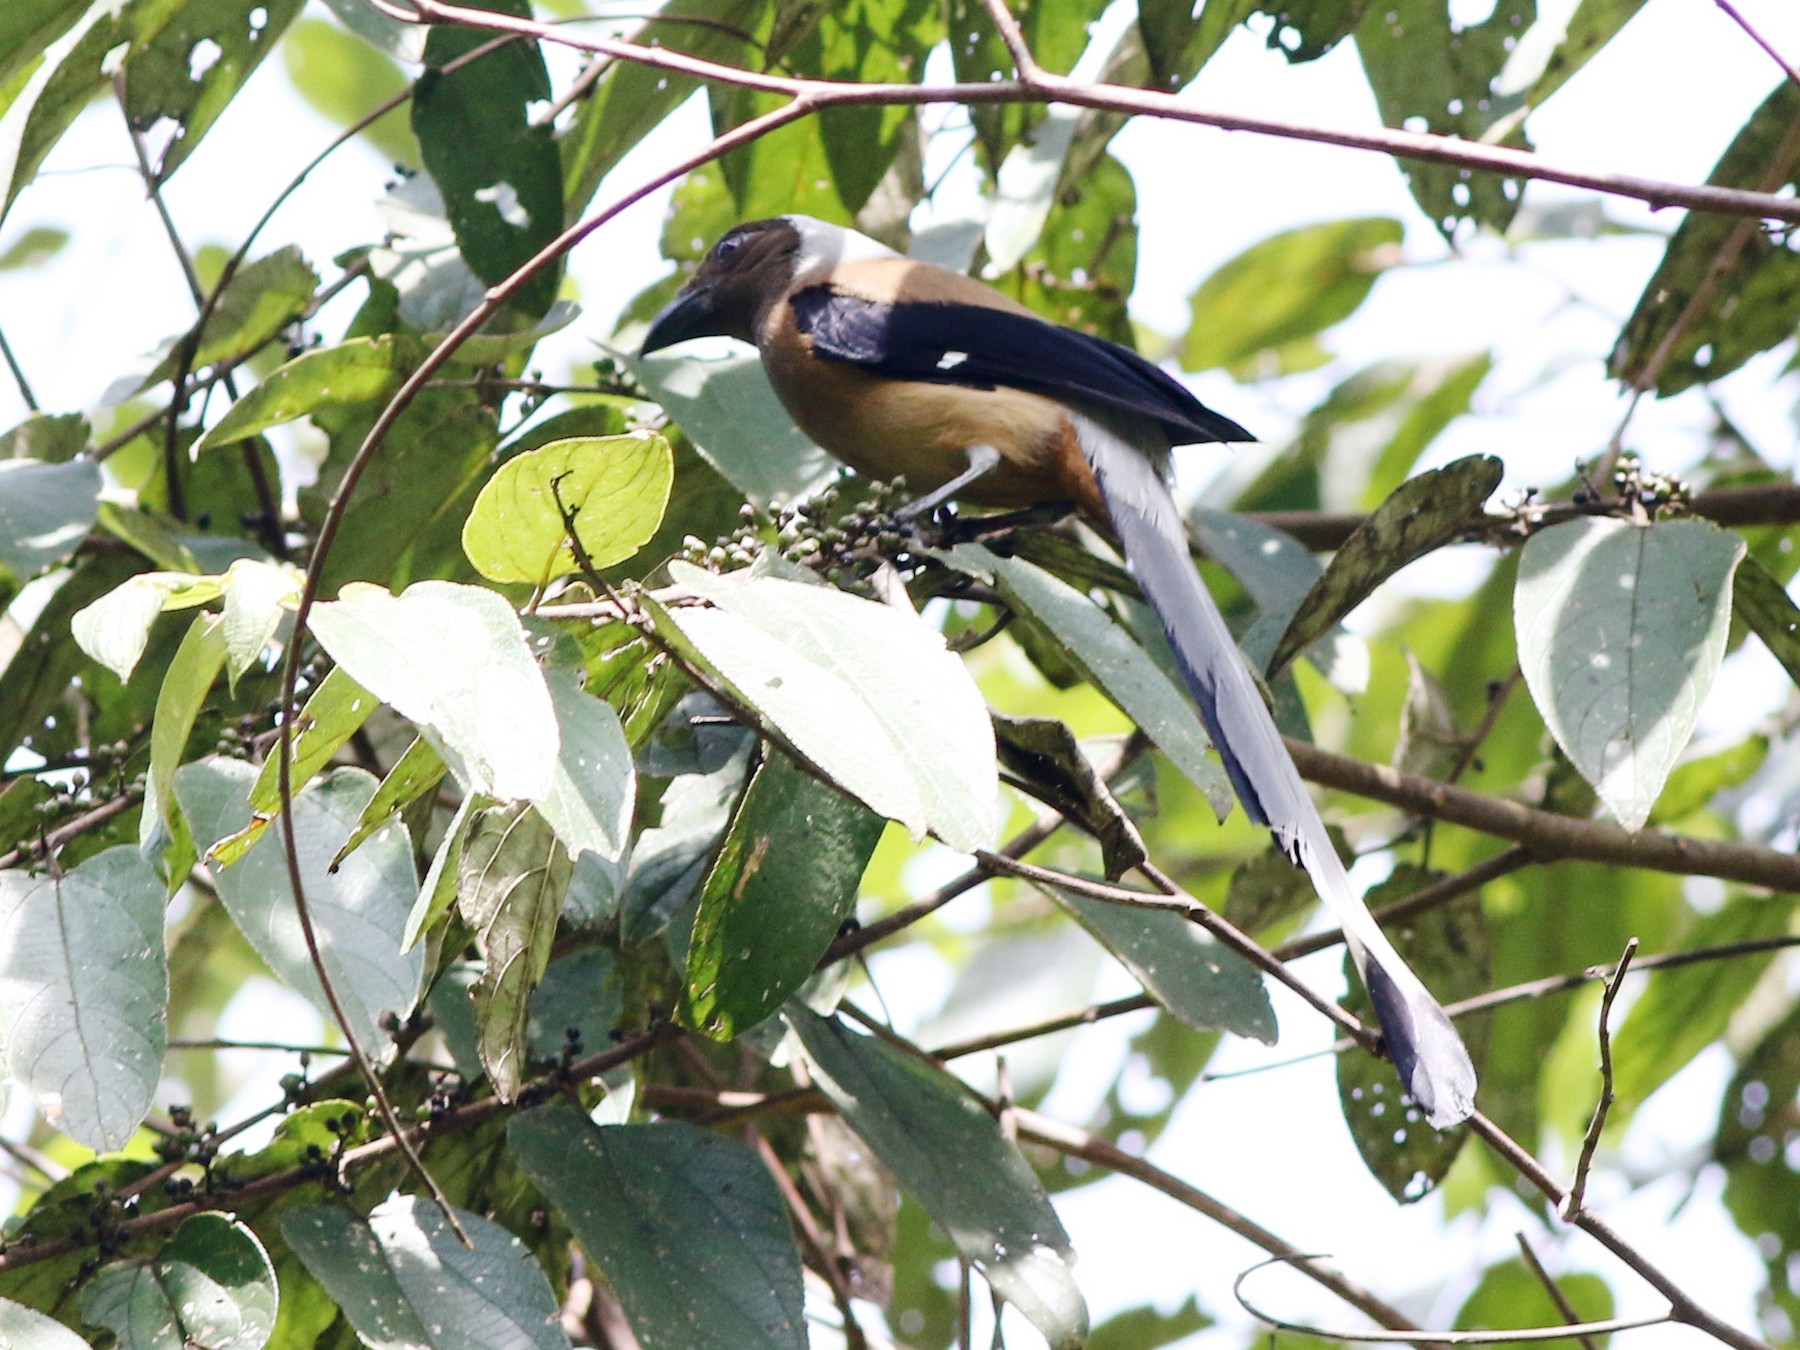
[983, 459]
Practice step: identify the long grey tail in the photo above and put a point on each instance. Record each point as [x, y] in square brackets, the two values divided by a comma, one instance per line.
[1431, 1058]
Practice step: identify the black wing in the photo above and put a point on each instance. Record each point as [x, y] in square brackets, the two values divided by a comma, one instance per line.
[982, 348]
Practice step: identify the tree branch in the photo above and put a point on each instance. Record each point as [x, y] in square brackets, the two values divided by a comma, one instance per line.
[1755, 504]
[1041, 86]
[1548, 836]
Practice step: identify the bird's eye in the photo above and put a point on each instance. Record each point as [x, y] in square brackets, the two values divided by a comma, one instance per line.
[726, 247]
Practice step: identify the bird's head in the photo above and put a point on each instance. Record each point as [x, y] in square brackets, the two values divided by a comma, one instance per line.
[752, 267]
[748, 268]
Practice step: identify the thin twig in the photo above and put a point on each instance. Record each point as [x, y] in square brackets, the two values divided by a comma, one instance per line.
[1090, 1147]
[18, 374]
[1170, 898]
[222, 1043]
[1787, 66]
[1682, 1307]
[1578, 1191]
[1533, 1334]
[48, 844]
[1434, 896]
[1014, 39]
[812, 1240]
[1557, 984]
[1554, 1291]
[1496, 704]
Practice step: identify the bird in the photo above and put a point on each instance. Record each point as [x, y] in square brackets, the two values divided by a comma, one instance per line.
[899, 367]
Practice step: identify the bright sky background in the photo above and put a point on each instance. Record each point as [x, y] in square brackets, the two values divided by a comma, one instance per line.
[1662, 100]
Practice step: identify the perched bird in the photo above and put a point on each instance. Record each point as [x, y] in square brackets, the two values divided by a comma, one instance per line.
[900, 367]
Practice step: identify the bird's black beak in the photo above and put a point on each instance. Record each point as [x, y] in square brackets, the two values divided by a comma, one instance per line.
[688, 315]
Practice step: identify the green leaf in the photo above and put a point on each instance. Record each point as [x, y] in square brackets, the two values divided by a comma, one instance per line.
[1440, 393]
[686, 1226]
[1621, 629]
[783, 883]
[1752, 305]
[1762, 1187]
[1268, 888]
[437, 893]
[258, 596]
[418, 770]
[1279, 573]
[728, 410]
[46, 511]
[1512, 1297]
[162, 81]
[492, 159]
[1683, 1011]
[948, 1153]
[184, 689]
[356, 371]
[1146, 1327]
[1183, 967]
[345, 78]
[594, 785]
[54, 438]
[785, 170]
[115, 628]
[211, 1285]
[511, 881]
[1044, 755]
[40, 99]
[1290, 286]
[581, 992]
[633, 98]
[1025, 187]
[611, 489]
[27, 27]
[866, 693]
[403, 1278]
[402, 41]
[669, 861]
[1769, 611]
[358, 911]
[410, 502]
[332, 714]
[454, 660]
[1056, 33]
[1450, 949]
[1423, 513]
[1431, 72]
[1305, 30]
[1585, 32]
[23, 1329]
[1695, 783]
[83, 986]
[1083, 263]
[1274, 567]
[262, 299]
[1108, 657]
[870, 42]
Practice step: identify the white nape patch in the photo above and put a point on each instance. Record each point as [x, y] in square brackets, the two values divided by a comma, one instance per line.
[951, 360]
[823, 247]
